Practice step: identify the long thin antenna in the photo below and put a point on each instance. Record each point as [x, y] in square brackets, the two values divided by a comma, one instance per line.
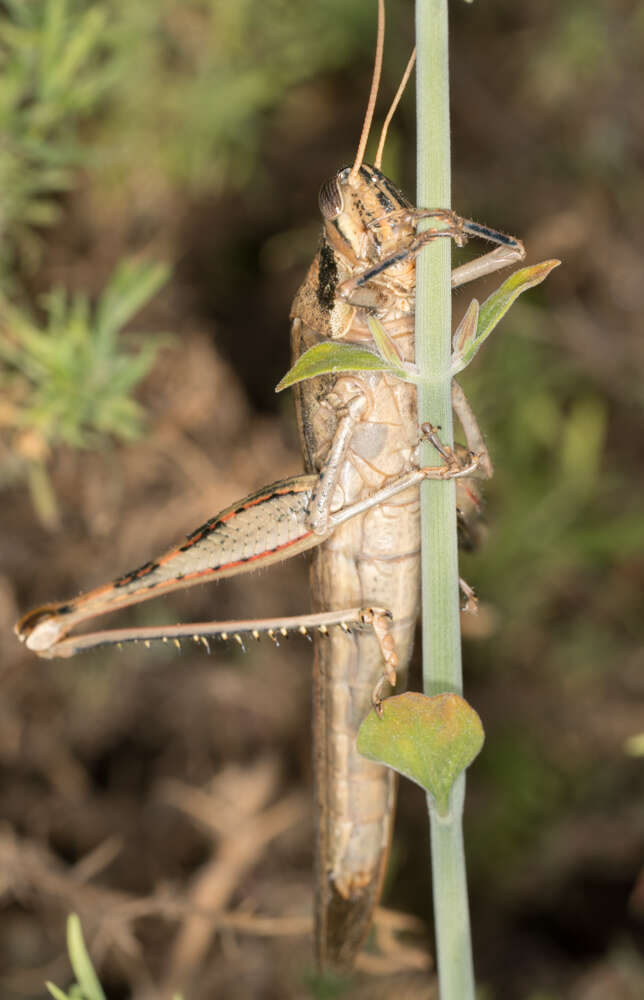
[375, 83]
[392, 110]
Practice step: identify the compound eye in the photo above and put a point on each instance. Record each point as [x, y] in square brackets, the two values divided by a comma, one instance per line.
[330, 199]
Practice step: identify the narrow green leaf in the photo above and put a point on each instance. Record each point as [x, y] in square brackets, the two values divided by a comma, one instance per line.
[78, 47]
[56, 992]
[131, 286]
[495, 307]
[81, 962]
[386, 346]
[53, 29]
[465, 332]
[429, 740]
[329, 358]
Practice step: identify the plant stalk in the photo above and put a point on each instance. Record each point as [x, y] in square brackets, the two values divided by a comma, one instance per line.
[442, 670]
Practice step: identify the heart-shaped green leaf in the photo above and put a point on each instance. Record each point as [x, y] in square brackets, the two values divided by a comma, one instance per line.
[331, 357]
[429, 740]
[494, 309]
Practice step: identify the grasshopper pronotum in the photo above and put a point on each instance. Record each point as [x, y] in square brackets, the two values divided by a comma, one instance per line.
[357, 508]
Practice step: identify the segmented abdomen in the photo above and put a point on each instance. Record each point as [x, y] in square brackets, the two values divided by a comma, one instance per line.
[372, 559]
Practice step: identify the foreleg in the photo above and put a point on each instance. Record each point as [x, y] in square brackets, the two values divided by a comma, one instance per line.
[509, 249]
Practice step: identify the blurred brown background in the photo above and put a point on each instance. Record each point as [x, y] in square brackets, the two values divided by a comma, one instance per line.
[141, 786]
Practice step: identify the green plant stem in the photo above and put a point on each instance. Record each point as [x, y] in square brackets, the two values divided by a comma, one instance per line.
[442, 669]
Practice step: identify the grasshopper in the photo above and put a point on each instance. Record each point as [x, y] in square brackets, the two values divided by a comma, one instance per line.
[357, 507]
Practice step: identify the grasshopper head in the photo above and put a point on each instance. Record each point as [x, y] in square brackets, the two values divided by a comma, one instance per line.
[362, 214]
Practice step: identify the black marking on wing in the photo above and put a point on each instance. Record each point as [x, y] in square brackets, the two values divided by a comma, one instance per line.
[328, 277]
[136, 574]
[201, 532]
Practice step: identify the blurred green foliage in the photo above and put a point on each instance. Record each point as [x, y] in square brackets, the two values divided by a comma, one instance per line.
[184, 105]
[70, 380]
[186, 100]
[193, 92]
[54, 70]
